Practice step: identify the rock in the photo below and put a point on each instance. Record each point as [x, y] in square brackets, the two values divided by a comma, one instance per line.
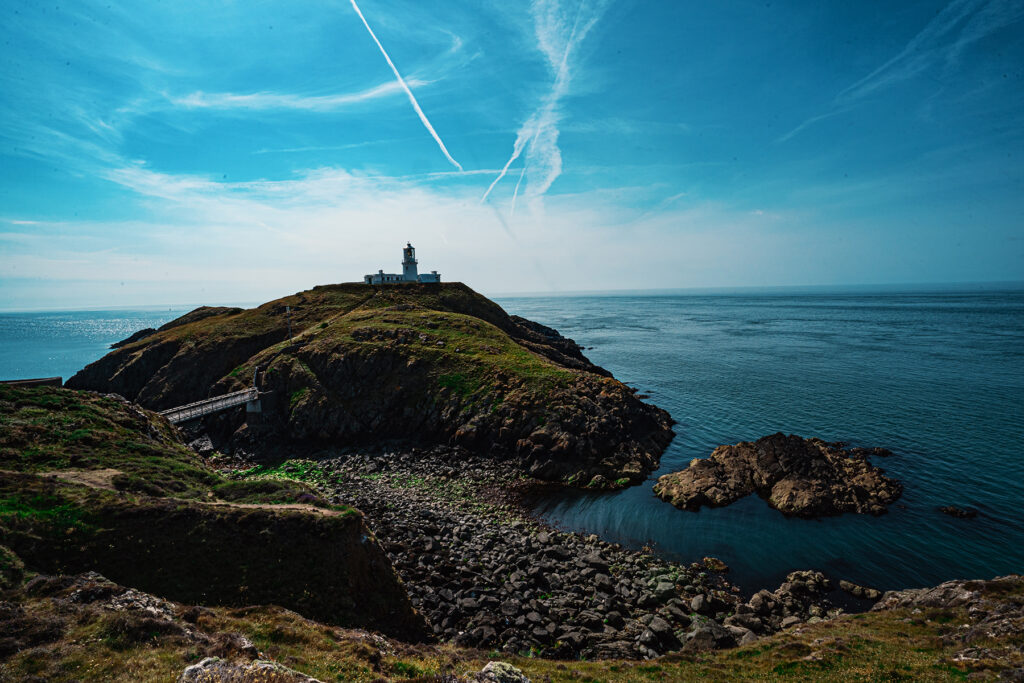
[214, 670]
[802, 597]
[860, 591]
[663, 631]
[665, 590]
[959, 513]
[993, 609]
[615, 620]
[203, 445]
[791, 621]
[715, 565]
[802, 477]
[709, 635]
[596, 561]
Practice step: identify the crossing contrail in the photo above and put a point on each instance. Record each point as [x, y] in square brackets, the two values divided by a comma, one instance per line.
[517, 149]
[538, 136]
[401, 81]
[516, 192]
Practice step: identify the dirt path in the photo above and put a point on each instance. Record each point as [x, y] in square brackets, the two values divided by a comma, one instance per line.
[104, 479]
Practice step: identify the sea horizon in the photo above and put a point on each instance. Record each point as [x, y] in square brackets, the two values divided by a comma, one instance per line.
[879, 288]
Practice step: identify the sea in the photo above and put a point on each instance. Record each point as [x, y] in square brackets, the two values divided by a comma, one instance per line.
[936, 376]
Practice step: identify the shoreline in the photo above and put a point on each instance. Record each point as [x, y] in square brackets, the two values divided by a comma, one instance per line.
[488, 574]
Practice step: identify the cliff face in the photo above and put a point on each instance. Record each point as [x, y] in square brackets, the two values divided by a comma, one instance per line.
[89, 483]
[428, 364]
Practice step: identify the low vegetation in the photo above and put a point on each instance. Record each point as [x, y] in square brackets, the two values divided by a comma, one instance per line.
[103, 441]
[100, 639]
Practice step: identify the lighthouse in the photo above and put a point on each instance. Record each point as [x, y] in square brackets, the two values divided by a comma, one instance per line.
[409, 273]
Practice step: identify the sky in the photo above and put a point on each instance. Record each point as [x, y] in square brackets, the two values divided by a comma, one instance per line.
[211, 152]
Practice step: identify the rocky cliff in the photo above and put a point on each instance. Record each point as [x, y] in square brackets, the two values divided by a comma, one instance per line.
[427, 364]
[90, 483]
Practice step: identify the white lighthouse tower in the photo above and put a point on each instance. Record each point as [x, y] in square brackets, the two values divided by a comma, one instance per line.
[409, 272]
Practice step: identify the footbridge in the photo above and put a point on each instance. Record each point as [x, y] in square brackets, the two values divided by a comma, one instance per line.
[191, 411]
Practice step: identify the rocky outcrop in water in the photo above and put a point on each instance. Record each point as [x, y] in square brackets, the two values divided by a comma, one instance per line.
[959, 513]
[802, 477]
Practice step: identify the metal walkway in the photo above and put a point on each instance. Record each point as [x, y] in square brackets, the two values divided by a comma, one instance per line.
[210, 405]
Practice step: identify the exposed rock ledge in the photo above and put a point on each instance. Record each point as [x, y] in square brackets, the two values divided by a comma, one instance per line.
[802, 477]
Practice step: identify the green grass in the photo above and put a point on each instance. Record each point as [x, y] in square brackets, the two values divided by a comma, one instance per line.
[49, 429]
[55, 514]
[296, 397]
[459, 383]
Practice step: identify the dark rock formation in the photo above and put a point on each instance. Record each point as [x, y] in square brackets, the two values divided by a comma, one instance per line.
[959, 513]
[498, 672]
[803, 477]
[801, 598]
[862, 592]
[216, 670]
[487, 579]
[421, 364]
[91, 483]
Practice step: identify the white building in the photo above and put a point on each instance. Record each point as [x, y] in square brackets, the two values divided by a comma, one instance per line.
[409, 271]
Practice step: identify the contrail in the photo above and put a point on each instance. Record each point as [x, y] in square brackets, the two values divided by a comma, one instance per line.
[415, 104]
[515, 192]
[517, 149]
[538, 136]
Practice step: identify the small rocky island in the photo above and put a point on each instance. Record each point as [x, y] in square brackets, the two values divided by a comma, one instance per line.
[419, 364]
[800, 477]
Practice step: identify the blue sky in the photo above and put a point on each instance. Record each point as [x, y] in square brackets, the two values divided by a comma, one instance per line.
[188, 152]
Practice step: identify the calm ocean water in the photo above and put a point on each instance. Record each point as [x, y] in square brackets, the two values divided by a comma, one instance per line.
[937, 377]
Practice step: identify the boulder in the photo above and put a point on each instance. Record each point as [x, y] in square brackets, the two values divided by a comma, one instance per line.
[214, 670]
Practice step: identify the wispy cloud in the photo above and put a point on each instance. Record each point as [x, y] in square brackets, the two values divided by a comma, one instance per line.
[405, 86]
[939, 44]
[559, 32]
[271, 100]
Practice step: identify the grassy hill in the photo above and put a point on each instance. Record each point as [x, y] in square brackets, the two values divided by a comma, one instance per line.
[422, 364]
